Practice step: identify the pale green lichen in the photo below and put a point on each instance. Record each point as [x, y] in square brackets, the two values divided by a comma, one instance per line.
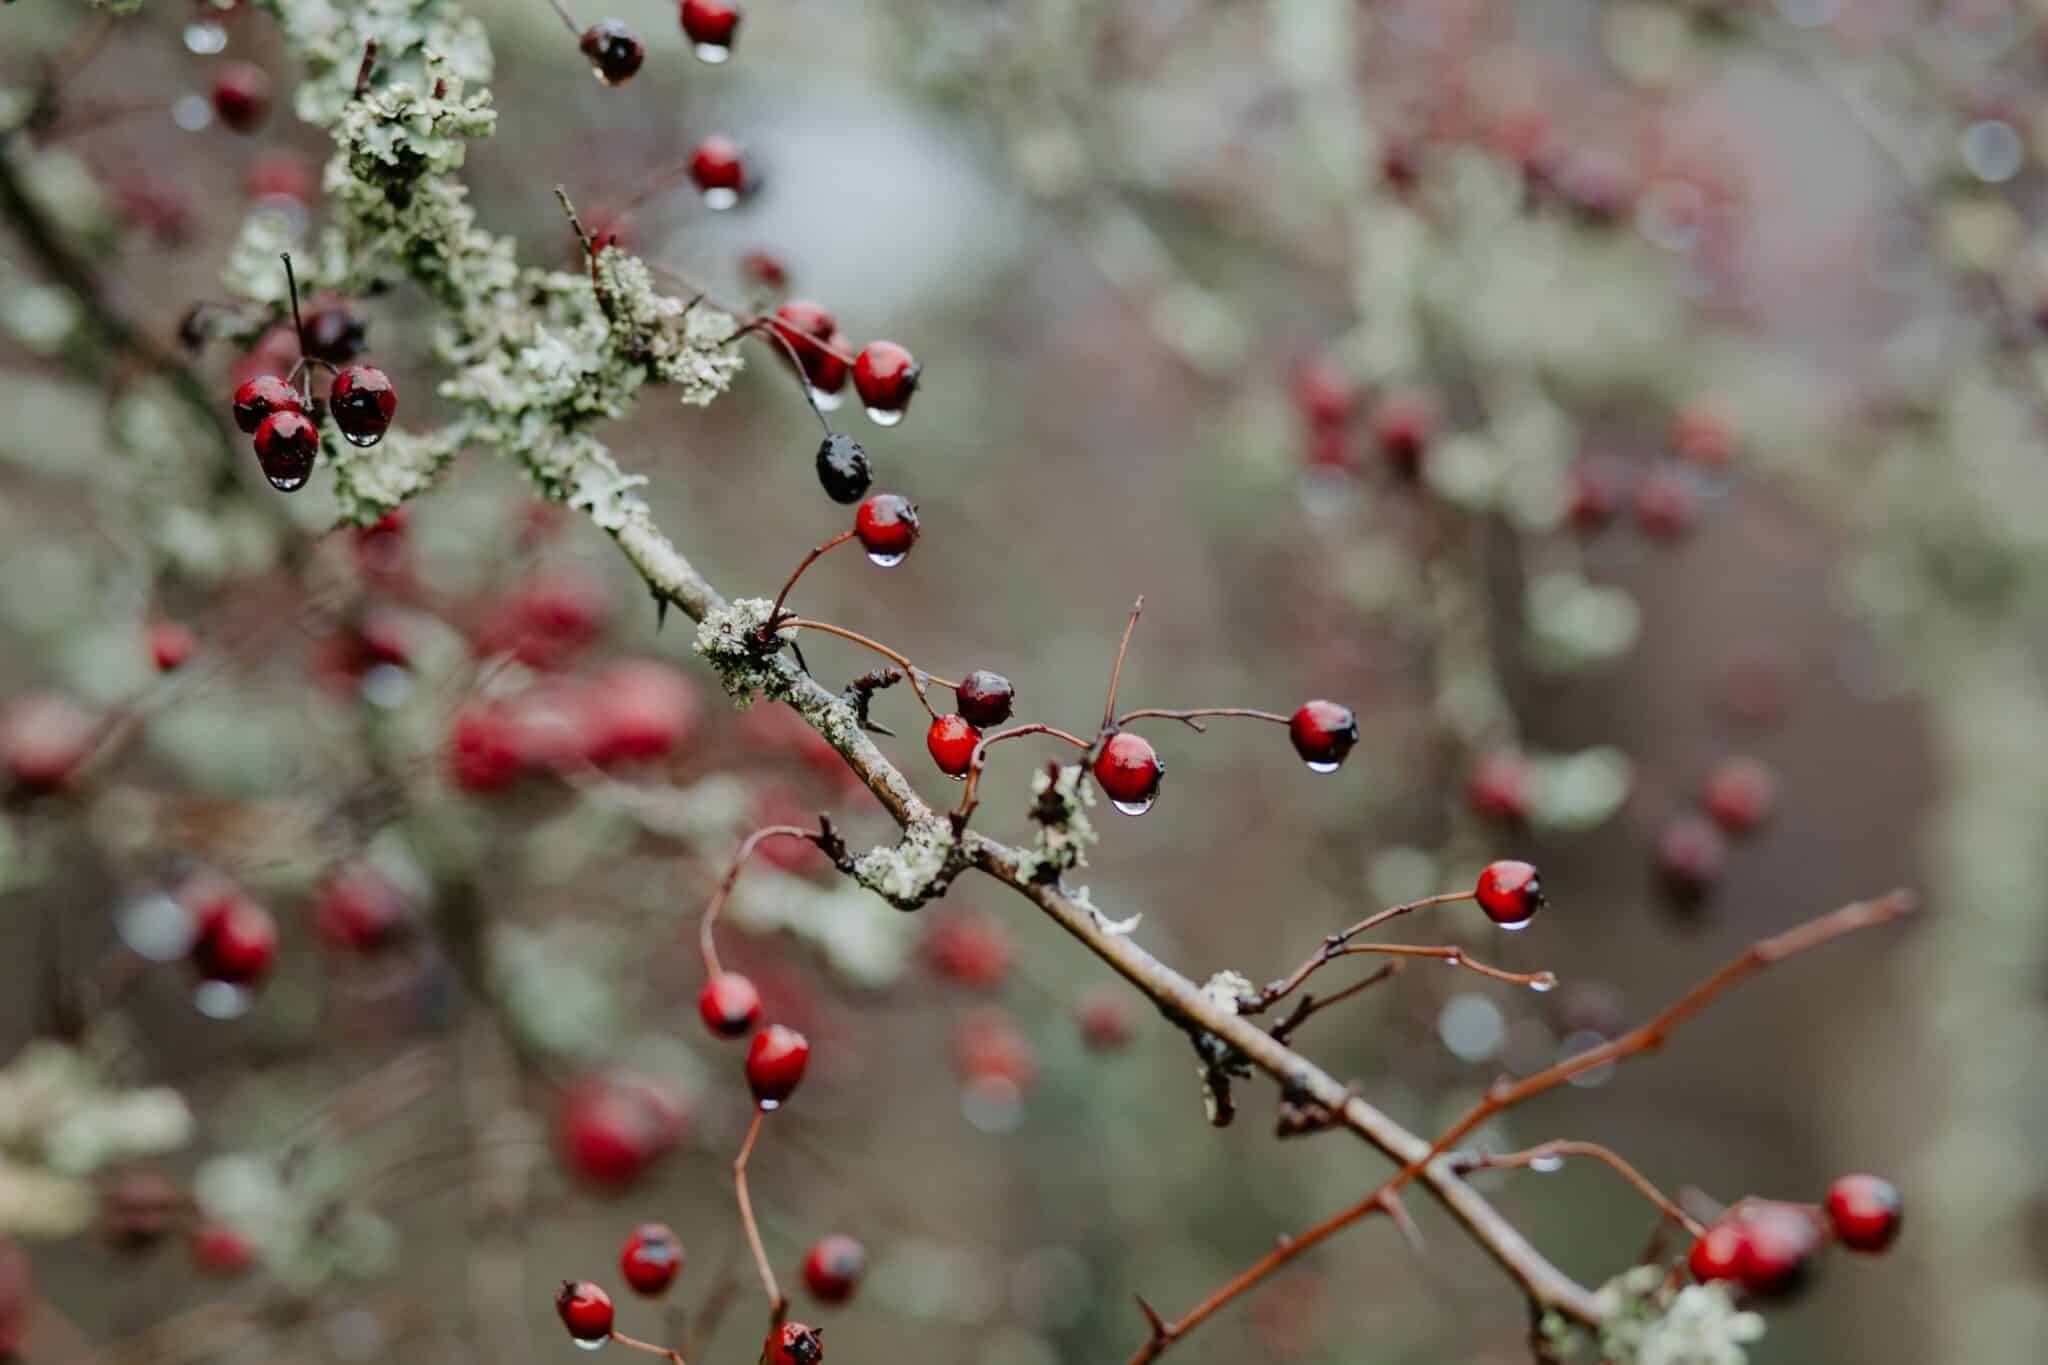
[1649, 1318]
[728, 638]
[1063, 797]
[915, 869]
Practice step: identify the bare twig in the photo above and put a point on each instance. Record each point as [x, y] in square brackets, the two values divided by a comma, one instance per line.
[778, 1305]
[1544, 1153]
[1116, 675]
[709, 923]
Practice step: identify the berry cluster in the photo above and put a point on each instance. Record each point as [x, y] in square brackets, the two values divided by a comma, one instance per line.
[1767, 1247]
[1691, 852]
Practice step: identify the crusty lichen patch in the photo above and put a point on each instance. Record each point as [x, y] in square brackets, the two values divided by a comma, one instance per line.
[916, 869]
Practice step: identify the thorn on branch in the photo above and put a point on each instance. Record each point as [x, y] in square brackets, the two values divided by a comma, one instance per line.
[1153, 1320]
[860, 693]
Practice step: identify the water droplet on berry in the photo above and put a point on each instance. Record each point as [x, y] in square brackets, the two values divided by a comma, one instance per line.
[1515, 926]
[1545, 982]
[290, 482]
[221, 1000]
[721, 197]
[711, 54]
[770, 1106]
[885, 417]
[1134, 807]
[205, 39]
[827, 402]
[365, 439]
[597, 1345]
[1544, 1165]
[1323, 767]
[192, 112]
[882, 561]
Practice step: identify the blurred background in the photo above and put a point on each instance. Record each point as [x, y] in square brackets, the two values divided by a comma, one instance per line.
[1631, 409]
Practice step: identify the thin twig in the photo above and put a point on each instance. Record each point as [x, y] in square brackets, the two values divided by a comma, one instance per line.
[632, 1344]
[1564, 1147]
[971, 797]
[1332, 946]
[1116, 675]
[778, 1306]
[808, 560]
[1310, 1005]
[1193, 719]
[753, 841]
[1457, 957]
[919, 679]
[568, 19]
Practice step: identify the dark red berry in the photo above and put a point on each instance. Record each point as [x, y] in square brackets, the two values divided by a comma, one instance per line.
[286, 444]
[1739, 794]
[1501, 786]
[651, 1258]
[1666, 506]
[775, 1063]
[614, 1127]
[711, 24]
[832, 1268]
[843, 469]
[887, 526]
[219, 1250]
[951, 741]
[885, 376]
[1866, 1212]
[970, 949]
[1402, 426]
[335, 334]
[1323, 733]
[241, 96]
[1510, 893]
[361, 910]
[614, 53]
[1106, 1019]
[586, 1310]
[237, 940]
[263, 395]
[793, 1344]
[719, 171]
[170, 645]
[43, 739]
[985, 698]
[729, 1004]
[1717, 1255]
[804, 326]
[1690, 857]
[1129, 772]
[363, 401]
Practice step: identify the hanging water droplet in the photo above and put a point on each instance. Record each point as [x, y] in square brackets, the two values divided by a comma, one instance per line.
[1544, 983]
[721, 197]
[957, 777]
[205, 38]
[770, 1106]
[1134, 807]
[221, 1000]
[1323, 766]
[597, 1345]
[827, 402]
[882, 561]
[712, 54]
[1515, 926]
[289, 482]
[365, 439]
[192, 112]
[885, 417]
[1544, 1165]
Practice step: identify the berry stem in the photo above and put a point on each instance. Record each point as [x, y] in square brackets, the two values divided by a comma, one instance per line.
[919, 679]
[291, 281]
[1192, 719]
[1332, 947]
[568, 19]
[732, 875]
[778, 1306]
[1311, 1005]
[1563, 1147]
[1457, 957]
[970, 798]
[1116, 674]
[766, 328]
[808, 560]
[632, 1344]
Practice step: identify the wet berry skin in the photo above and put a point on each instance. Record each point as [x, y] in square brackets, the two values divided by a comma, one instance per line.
[1509, 892]
[363, 401]
[730, 1005]
[585, 1309]
[614, 53]
[261, 396]
[286, 444]
[1779, 1242]
[887, 525]
[1128, 769]
[1866, 1212]
[711, 23]
[843, 469]
[237, 940]
[1717, 1255]
[803, 325]
[832, 1268]
[651, 1258]
[241, 97]
[1323, 732]
[775, 1064]
[716, 164]
[985, 698]
[794, 1344]
[951, 742]
[885, 375]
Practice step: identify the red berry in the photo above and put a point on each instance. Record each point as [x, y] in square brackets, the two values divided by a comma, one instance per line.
[170, 645]
[1739, 794]
[832, 1268]
[1866, 1212]
[775, 1063]
[1324, 393]
[1500, 788]
[764, 268]
[363, 400]
[1666, 506]
[1129, 772]
[1717, 1255]
[361, 910]
[1402, 426]
[1598, 485]
[241, 96]
[237, 941]
[730, 1005]
[885, 376]
[1106, 1020]
[586, 1310]
[1510, 893]
[614, 1127]
[219, 1250]
[719, 171]
[1702, 436]
[1323, 733]
[637, 711]
[483, 748]
[990, 1048]
[548, 619]
[614, 53]
[651, 1258]
[1778, 1244]
[711, 24]
[1331, 449]
[970, 949]
[281, 175]
[43, 739]
[1690, 856]
[286, 444]
[985, 698]
[803, 325]
[887, 526]
[952, 742]
[793, 1344]
[263, 395]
